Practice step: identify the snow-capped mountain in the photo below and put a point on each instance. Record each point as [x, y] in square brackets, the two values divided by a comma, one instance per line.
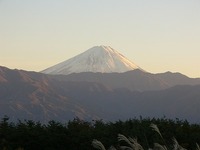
[102, 59]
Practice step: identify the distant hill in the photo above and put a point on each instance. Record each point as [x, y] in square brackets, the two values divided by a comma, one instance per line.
[107, 96]
[135, 80]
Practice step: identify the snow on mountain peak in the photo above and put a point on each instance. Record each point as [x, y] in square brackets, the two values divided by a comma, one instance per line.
[96, 59]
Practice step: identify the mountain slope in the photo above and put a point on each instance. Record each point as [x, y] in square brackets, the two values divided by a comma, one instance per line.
[181, 102]
[96, 59]
[40, 97]
[135, 80]
[31, 95]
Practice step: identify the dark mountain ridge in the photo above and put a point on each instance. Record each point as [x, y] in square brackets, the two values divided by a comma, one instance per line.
[40, 97]
[135, 80]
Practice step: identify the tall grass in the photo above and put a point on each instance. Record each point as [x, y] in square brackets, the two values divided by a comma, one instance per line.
[132, 143]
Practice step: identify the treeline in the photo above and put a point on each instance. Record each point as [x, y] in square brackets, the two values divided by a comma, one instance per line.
[78, 134]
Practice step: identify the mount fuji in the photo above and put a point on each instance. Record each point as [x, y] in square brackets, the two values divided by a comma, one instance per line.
[102, 59]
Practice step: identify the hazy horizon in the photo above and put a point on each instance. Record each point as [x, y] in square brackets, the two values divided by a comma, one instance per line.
[158, 36]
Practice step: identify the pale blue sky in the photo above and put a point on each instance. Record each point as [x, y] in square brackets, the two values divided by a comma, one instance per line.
[158, 35]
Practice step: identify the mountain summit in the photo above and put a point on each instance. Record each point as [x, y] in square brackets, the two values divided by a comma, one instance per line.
[102, 59]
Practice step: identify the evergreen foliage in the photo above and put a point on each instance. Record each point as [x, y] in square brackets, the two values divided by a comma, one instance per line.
[78, 134]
